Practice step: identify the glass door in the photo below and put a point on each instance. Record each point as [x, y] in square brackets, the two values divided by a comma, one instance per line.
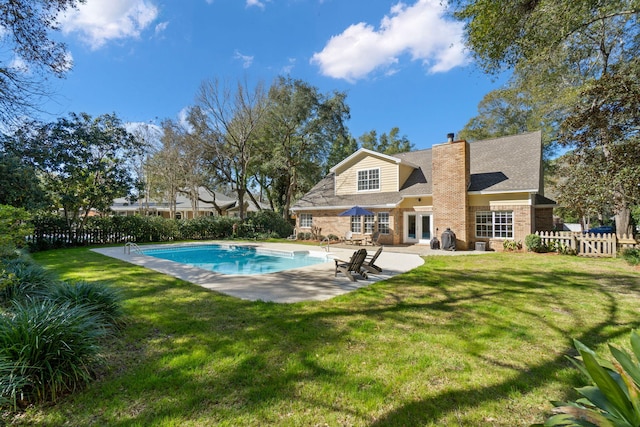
[425, 228]
[411, 228]
[417, 227]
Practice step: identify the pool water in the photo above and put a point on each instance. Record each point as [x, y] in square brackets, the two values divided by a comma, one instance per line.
[245, 260]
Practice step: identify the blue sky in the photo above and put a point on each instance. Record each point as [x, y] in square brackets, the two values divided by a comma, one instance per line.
[401, 64]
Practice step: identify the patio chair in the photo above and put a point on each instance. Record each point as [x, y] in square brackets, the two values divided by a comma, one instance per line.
[350, 240]
[294, 236]
[348, 237]
[369, 262]
[374, 238]
[354, 265]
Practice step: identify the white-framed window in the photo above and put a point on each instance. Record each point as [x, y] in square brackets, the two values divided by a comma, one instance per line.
[306, 220]
[369, 179]
[369, 223]
[494, 224]
[383, 222]
[356, 224]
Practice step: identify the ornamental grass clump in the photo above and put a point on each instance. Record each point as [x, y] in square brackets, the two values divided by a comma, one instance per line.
[26, 279]
[102, 300]
[11, 384]
[612, 397]
[632, 256]
[51, 332]
[48, 349]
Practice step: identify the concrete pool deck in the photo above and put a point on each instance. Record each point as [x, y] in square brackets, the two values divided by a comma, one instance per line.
[313, 283]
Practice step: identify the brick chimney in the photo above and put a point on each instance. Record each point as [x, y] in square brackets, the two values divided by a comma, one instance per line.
[450, 181]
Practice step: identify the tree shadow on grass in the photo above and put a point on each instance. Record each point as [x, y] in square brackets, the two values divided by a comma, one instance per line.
[262, 354]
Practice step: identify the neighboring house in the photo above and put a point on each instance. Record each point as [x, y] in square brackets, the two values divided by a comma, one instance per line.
[184, 207]
[248, 207]
[484, 191]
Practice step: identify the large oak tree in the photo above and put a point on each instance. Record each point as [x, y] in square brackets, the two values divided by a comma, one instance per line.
[300, 126]
[228, 120]
[390, 144]
[604, 131]
[80, 159]
[561, 52]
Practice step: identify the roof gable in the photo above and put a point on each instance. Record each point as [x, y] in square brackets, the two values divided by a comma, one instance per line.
[363, 153]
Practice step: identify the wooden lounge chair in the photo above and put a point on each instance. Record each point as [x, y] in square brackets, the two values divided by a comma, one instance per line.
[354, 265]
[369, 262]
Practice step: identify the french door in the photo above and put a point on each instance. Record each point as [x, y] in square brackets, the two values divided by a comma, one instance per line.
[417, 227]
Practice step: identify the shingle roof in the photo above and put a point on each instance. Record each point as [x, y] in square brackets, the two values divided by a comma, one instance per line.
[511, 163]
[182, 202]
[322, 195]
[506, 164]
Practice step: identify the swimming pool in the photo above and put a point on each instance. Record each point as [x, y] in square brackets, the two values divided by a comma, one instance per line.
[244, 260]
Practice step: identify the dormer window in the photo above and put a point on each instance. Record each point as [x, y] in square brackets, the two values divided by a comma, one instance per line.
[369, 179]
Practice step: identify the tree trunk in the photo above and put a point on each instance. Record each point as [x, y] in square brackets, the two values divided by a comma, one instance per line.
[172, 203]
[290, 189]
[212, 201]
[194, 200]
[241, 203]
[623, 221]
[255, 202]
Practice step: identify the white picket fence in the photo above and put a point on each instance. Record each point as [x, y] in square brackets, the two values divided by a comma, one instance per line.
[590, 245]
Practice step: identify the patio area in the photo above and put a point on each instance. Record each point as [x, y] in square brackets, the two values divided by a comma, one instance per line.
[314, 283]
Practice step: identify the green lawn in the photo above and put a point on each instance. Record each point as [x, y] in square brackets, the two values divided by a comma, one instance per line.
[466, 340]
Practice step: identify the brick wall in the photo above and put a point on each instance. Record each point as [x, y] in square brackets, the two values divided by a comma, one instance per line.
[544, 219]
[330, 223]
[450, 174]
[522, 225]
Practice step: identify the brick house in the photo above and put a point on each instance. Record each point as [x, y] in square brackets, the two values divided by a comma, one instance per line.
[484, 191]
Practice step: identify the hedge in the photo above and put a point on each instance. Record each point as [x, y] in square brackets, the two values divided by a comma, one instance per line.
[51, 231]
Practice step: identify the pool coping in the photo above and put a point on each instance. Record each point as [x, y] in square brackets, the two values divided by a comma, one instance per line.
[312, 283]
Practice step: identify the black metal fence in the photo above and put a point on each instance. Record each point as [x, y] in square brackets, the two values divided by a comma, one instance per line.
[53, 232]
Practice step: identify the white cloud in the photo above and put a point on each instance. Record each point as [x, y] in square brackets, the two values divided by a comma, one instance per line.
[146, 132]
[18, 64]
[291, 63]
[148, 129]
[246, 59]
[99, 21]
[183, 119]
[161, 27]
[420, 30]
[68, 59]
[257, 3]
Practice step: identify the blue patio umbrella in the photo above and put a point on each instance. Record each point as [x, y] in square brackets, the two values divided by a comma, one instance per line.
[356, 211]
